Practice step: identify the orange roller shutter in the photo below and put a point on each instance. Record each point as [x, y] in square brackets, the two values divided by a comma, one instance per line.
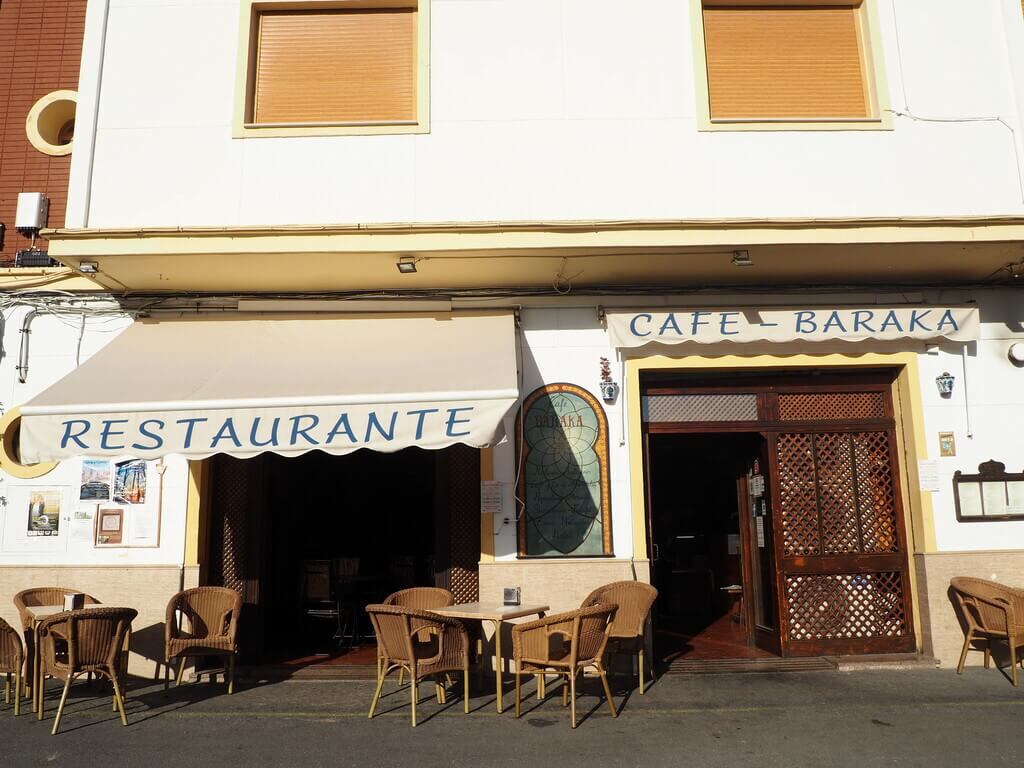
[336, 66]
[785, 62]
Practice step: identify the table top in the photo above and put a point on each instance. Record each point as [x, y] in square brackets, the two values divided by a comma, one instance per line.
[42, 611]
[489, 611]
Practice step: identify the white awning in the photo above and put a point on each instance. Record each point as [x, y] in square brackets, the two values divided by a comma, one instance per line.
[244, 385]
[707, 325]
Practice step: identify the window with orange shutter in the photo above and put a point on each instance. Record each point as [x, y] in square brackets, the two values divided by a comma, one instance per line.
[334, 66]
[794, 62]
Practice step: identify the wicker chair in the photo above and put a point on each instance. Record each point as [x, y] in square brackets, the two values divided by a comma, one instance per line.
[12, 662]
[397, 628]
[32, 598]
[992, 611]
[564, 644]
[420, 598]
[627, 635]
[91, 641]
[211, 614]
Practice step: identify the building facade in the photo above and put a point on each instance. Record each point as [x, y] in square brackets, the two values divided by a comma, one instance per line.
[606, 294]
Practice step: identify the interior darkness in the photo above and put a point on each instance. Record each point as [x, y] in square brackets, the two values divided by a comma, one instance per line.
[343, 531]
[694, 512]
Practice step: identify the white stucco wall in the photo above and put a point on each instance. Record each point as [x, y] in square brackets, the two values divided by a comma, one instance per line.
[54, 352]
[543, 109]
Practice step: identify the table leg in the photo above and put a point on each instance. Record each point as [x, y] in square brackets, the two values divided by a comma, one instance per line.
[36, 659]
[498, 663]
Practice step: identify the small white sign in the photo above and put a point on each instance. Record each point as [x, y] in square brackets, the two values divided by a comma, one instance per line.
[760, 532]
[490, 497]
[928, 474]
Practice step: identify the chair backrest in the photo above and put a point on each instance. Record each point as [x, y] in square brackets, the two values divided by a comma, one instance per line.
[316, 580]
[591, 629]
[95, 636]
[210, 611]
[36, 596]
[423, 598]
[634, 599]
[395, 626]
[975, 597]
[12, 655]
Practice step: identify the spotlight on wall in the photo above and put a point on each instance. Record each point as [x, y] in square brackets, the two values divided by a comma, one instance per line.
[944, 383]
[88, 267]
[1016, 353]
[406, 265]
[741, 259]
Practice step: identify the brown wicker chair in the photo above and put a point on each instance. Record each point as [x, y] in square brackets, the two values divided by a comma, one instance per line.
[992, 611]
[420, 598]
[211, 615]
[32, 598]
[564, 644]
[397, 629]
[627, 635]
[91, 641]
[12, 662]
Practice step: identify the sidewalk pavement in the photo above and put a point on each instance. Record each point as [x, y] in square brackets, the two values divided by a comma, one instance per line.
[890, 717]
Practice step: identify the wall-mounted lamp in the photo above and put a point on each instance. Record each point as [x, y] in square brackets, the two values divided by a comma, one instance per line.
[944, 383]
[741, 259]
[406, 265]
[88, 267]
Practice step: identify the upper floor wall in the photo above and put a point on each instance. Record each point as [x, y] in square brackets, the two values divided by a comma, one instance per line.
[546, 110]
[40, 49]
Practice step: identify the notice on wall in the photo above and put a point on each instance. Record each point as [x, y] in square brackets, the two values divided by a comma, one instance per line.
[490, 497]
[760, 532]
[928, 475]
[44, 506]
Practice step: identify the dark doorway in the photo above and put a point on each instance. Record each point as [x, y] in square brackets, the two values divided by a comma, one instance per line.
[712, 560]
[311, 540]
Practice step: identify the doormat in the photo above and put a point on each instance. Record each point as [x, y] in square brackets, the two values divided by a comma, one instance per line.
[278, 672]
[731, 666]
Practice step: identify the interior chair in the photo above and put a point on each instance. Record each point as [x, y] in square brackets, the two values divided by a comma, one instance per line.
[74, 643]
[12, 663]
[319, 602]
[991, 611]
[398, 631]
[564, 644]
[629, 625]
[420, 598]
[33, 598]
[202, 621]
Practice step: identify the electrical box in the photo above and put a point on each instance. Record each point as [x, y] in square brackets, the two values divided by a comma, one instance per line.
[33, 257]
[31, 213]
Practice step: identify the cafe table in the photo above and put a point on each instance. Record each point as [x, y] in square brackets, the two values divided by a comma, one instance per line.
[37, 613]
[496, 614]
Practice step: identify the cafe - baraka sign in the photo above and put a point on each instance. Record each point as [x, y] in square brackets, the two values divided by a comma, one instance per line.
[635, 328]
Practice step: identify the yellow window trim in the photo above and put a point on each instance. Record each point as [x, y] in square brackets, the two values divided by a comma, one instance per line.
[246, 64]
[871, 53]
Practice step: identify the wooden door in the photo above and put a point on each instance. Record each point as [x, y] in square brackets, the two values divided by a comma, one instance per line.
[840, 542]
[757, 542]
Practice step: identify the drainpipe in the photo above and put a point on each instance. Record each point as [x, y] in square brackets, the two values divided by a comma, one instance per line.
[26, 329]
[94, 118]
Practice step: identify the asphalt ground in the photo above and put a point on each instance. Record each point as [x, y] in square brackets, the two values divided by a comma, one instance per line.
[891, 717]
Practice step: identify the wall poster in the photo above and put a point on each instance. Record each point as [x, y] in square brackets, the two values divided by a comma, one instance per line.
[130, 482]
[109, 526]
[95, 480]
[44, 512]
[563, 493]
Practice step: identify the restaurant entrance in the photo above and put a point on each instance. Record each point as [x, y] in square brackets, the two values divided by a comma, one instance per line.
[309, 541]
[775, 515]
[712, 537]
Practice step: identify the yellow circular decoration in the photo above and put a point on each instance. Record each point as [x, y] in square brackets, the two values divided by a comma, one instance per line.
[10, 427]
[50, 124]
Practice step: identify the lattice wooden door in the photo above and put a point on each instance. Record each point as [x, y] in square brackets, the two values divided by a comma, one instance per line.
[841, 544]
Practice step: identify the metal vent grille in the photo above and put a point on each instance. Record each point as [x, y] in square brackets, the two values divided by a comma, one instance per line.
[684, 408]
[831, 406]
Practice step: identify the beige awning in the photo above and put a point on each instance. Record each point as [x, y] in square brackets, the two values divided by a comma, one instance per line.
[243, 385]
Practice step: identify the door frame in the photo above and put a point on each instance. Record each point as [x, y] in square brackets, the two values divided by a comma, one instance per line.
[767, 383]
